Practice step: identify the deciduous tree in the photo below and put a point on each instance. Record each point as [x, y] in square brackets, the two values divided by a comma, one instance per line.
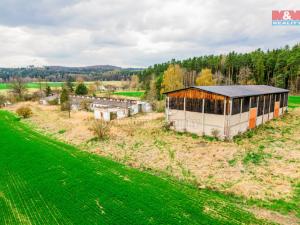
[18, 87]
[172, 78]
[205, 78]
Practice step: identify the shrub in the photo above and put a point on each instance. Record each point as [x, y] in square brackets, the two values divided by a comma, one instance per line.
[62, 131]
[167, 125]
[85, 105]
[159, 106]
[53, 102]
[2, 100]
[36, 95]
[215, 133]
[24, 112]
[11, 98]
[81, 89]
[28, 97]
[100, 128]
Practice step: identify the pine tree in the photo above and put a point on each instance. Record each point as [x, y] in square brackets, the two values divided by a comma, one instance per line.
[64, 97]
[69, 84]
[48, 91]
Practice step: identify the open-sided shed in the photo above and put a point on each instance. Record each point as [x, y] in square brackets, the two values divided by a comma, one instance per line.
[224, 111]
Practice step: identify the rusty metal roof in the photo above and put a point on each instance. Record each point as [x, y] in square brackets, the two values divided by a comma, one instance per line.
[235, 91]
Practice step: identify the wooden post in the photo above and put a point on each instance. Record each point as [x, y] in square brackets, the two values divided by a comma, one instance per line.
[168, 108]
[249, 111]
[241, 110]
[257, 105]
[269, 106]
[279, 103]
[228, 118]
[203, 103]
[225, 119]
[264, 110]
[283, 103]
[184, 108]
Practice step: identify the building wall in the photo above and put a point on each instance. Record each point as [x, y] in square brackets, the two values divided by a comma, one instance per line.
[193, 122]
[240, 124]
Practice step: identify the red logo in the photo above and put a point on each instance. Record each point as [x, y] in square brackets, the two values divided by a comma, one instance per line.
[285, 15]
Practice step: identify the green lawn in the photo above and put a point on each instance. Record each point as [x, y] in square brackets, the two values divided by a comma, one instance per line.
[294, 101]
[47, 182]
[130, 93]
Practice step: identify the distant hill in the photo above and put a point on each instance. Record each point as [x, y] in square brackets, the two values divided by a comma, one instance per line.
[84, 68]
[59, 73]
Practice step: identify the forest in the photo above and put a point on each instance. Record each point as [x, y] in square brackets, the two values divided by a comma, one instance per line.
[277, 67]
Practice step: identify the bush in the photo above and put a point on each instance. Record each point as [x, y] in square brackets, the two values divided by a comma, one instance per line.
[215, 133]
[11, 98]
[53, 102]
[85, 105]
[66, 106]
[167, 125]
[159, 106]
[81, 89]
[101, 129]
[28, 97]
[2, 100]
[24, 112]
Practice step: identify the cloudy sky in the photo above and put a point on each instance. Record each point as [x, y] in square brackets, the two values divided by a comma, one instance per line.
[135, 33]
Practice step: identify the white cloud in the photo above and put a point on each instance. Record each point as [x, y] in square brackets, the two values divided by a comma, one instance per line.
[135, 33]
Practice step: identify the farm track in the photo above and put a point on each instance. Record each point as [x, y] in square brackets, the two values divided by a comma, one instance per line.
[47, 182]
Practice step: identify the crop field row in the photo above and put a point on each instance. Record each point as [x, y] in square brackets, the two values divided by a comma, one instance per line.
[47, 182]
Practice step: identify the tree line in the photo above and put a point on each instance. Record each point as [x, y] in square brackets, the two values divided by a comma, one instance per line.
[33, 74]
[277, 67]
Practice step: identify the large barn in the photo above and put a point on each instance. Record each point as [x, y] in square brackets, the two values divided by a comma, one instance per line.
[224, 111]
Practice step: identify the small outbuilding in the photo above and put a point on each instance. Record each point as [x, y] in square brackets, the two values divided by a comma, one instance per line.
[109, 108]
[224, 111]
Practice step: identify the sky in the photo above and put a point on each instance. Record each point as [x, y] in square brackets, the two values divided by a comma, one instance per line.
[136, 33]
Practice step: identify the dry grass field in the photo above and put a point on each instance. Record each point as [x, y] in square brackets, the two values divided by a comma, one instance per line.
[263, 164]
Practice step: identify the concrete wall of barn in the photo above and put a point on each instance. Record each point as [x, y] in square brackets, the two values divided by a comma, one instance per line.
[239, 123]
[226, 126]
[194, 122]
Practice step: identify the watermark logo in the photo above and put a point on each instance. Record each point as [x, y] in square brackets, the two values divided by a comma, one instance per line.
[286, 17]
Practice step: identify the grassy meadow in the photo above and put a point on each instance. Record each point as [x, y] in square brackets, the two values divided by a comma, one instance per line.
[294, 102]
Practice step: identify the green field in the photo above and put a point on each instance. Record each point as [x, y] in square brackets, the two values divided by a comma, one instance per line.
[47, 182]
[137, 94]
[33, 85]
[294, 102]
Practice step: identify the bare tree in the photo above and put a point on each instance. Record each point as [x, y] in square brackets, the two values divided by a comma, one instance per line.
[18, 87]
